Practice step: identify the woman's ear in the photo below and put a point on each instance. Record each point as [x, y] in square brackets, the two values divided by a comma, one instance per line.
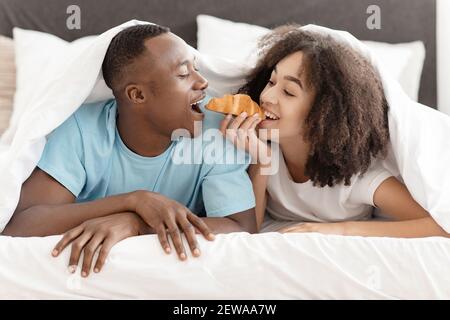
[135, 94]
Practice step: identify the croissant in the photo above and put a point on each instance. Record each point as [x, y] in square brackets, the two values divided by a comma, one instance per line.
[235, 104]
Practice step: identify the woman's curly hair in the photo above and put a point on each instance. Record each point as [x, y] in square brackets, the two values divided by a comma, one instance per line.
[348, 122]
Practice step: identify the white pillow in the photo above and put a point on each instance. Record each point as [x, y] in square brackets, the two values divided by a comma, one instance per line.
[37, 53]
[7, 81]
[237, 41]
[227, 39]
[404, 61]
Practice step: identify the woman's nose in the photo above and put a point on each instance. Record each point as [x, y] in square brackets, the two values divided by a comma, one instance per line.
[268, 96]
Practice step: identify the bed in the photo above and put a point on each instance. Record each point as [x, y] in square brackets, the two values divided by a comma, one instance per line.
[236, 266]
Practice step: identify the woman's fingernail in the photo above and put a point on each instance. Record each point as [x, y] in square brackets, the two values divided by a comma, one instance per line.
[84, 274]
[96, 270]
[167, 249]
[183, 256]
[228, 116]
[54, 252]
[244, 114]
[196, 252]
[211, 236]
[72, 269]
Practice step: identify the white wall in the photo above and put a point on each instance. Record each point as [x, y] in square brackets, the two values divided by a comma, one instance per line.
[443, 55]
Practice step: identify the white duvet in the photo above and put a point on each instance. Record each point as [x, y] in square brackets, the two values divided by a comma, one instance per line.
[238, 265]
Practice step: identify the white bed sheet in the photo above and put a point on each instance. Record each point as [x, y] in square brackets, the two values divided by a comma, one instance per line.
[236, 266]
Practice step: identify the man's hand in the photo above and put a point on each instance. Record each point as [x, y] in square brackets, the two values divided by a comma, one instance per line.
[166, 216]
[337, 228]
[97, 233]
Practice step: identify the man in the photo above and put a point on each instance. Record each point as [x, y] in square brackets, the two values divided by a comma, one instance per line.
[107, 173]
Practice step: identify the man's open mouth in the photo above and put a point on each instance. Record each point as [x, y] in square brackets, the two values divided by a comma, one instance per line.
[195, 106]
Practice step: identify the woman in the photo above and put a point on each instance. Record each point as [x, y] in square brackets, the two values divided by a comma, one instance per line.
[325, 105]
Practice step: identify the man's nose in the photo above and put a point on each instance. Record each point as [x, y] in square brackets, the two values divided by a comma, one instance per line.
[201, 83]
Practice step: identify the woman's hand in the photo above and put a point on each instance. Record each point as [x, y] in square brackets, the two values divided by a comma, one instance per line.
[168, 217]
[241, 131]
[337, 228]
[99, 233]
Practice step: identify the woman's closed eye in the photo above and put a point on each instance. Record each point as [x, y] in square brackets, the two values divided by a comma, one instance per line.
[271, 83]
[288, 93]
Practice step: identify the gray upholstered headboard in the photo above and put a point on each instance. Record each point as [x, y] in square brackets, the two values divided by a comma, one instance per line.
[401, 20]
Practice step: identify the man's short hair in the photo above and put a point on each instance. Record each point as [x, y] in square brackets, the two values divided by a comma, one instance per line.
[126, 46]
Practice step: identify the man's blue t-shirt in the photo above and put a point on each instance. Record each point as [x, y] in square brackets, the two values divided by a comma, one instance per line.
[87, 156]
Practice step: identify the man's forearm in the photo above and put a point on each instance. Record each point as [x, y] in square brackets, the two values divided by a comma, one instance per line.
[45, 220]
[417, 228]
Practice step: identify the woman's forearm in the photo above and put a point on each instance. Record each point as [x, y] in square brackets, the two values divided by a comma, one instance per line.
[259, 182]
[45, 220]
[417, 228]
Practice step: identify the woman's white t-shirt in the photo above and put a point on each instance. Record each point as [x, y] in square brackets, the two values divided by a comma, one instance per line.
[288, 200]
